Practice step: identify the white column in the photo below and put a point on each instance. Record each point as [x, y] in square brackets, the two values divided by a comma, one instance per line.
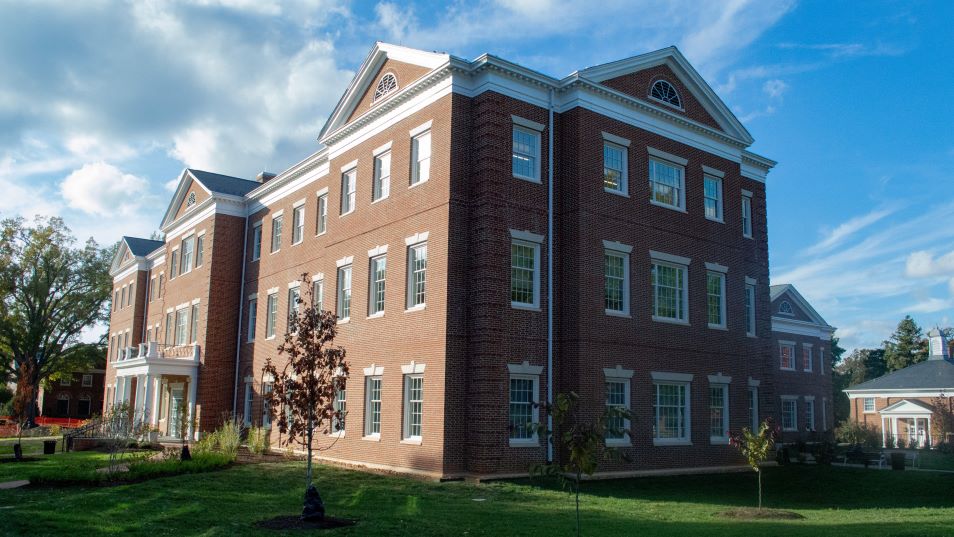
[154, 410]
[192, 391]
[929, 443]
[884, 433]
[894, 429]
[148, 395]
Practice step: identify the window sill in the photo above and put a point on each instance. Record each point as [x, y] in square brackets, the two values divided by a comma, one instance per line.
[716, 220]
[346, 214]
[526, 307]
[528, 179]
[419, 183]
[667, 206]
[420, 307]
[620, 193]
[380, 199]
[784, 430]
[614, 313]
[345, 320]
[786, 368]
[375, 315]
[269, 338]
[412, 441]
[372, 437]
[255, 260]
[617, 442]
[719, 441]
[338, 434]
[297, 243]
[322, 233]
[671, 442]
[718, 327]
[744, 236]
[670, 321]
[273, 252]
[524, 443]
[751, 335]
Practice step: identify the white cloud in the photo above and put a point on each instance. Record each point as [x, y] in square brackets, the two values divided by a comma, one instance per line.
[848, 228]
[950, 285]
[923, 264]
[394, 20]
[102, 189]
[929, 305]
[849, 50]
[775, 88]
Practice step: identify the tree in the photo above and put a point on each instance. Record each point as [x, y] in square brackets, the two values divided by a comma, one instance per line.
[906, 346]
[583, 442]
[755, 447]
[308, 383]
[51, 291]
[837, 351]
[860, 366]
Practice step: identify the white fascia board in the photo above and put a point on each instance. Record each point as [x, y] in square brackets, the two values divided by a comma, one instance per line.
[801, 328]
[881, 392]
[130, 270]
[290, 187]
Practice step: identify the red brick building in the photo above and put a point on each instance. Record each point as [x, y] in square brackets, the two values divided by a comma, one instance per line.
[489, 236]
[78, 396]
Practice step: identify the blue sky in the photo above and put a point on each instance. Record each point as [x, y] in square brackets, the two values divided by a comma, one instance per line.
[103, 103]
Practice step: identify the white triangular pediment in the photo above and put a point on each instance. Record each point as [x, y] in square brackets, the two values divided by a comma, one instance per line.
[906, 407]
[798, 301]
[118, 257]
[186, 178]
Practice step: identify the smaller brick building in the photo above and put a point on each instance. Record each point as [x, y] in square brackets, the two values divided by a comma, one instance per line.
[79, 396]
[906, 405]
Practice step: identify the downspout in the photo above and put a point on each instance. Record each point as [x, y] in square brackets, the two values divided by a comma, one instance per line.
[238, 335]
[550, 277]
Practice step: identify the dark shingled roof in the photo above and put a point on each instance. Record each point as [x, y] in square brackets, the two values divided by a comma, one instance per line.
[224, 184]
[140, 247]
[929, 375]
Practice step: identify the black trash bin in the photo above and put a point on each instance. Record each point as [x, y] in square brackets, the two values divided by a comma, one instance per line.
[897, 461]
[49, 447]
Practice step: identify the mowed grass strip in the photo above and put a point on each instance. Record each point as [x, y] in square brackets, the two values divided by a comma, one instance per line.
[834, 501]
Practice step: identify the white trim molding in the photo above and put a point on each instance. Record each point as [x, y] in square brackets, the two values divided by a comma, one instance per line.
[751, 281]
[378, 250]
[413, 368]
[317, 277]
[349, 166]
[344, 261]
[719, 378]
[524, 369]
[381, 149]
[617, 246]
[712, 171]
[662, 256]
[525, 236]
[374, 370]
[717, 267]
[667, 156]
[617, 372]
[416, 238]
[618, 140]
[523, 122]
[420, 128]
[666, 376]
[754, 383]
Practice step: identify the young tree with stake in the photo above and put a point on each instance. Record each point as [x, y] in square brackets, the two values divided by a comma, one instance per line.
[755, 447]
[306, 386]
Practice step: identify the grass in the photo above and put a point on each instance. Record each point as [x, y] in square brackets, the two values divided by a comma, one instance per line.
[31, 446]
[933, 460]
[834, 501]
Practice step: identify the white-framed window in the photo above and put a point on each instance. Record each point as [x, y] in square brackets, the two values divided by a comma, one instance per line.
[169, 326]
[754, 422]
[750, 309]
[377, 285]
[666, 93]
[526, 153]
[671, 410]
[321, 225]
[615, 168]
[785, 308]
[810, 414]
[747, 216]
[616, 282]
[807, 358]
[420, 158]
[340, 406]
[294, 293]
[266, 406]
[247, 406]
[349, 182]
[87, 381]
[372, 406]
[413, 407]
[821, 361]
[789, 414]
[786, 355]
[182, 326]
[122, 298]
[386, 85]
[718, 413]
[194, 327]
[712, 187]
[318, 290]
[617, 396]
[523, 410]
[869, 404]
[416, 275]
[277, 233]
[252, 317]
[257, 241]
[381, 187]
[199, 250]
[715, 299]
[84, 405]
[271, 315]
[66, 381]
[173, 266]
[344, 292]
[670, 298]
[188, 249]
[298, 223]
[824, 414]
[667, 183]
[524, 274]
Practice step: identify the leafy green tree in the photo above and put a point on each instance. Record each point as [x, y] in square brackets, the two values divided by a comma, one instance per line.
[860, 366]
[907, 345]
[756, 447]
[50, 291]
[837, 351]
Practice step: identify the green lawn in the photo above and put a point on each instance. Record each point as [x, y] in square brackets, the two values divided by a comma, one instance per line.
[31, 446]
[835, 501]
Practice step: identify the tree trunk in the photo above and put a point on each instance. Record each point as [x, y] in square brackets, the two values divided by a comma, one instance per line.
[311, 429]
[578, 477]
[760, 490]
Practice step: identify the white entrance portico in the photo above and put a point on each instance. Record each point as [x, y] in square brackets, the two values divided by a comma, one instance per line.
[905, 422]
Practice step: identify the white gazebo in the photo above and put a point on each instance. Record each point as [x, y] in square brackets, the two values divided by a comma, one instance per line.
[907, 419]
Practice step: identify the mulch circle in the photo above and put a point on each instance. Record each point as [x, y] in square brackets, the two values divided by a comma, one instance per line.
[751, 513]
[295, 522]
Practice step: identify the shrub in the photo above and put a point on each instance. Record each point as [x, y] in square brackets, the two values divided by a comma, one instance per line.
[55, 430]
[858, 433]
[257, 440]
[206, 444]
[229, 438]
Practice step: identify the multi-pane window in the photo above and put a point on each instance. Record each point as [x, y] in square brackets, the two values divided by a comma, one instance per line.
[526, 154]
[344, 292]
[256, 241]
[298, 224]
[523, 390]
[372, 408]
[341, 407]
[318, 292]
[789, 415]
[750, 309]
[194, 330]
[169, 326]
[413, 406]
[276, 233]
[247, 406]
[322, 223]
[174, 265]
[129, 297]
[188, 249]
[712, 196]
[524, 273]
[671, 411]
[747, 216]
[87, 381]
[199, 250]
[616, 288]
[718, 412]
[614, 168]
[378, 273]
[669, 291]
[122, 300]
[182, 326]
[381, 186]
[617, 397]
[271, 315]
[116, 303]
[294, 294]
[266, 405]
[807, 358]
[869, 403]
[349, 181]
[252, 317]
[416, 275]
[810, 414]
[786, 352]
[421, 158]
[754, 409]
[666, 184]
[715, 299]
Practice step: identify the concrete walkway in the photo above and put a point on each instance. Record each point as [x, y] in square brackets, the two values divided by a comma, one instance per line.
[14, 484]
